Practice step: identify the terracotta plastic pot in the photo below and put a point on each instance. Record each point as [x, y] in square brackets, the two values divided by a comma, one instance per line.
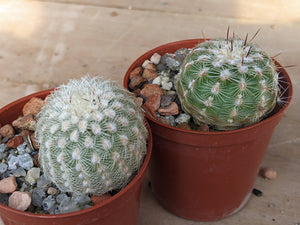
[207, 175]
[122, 208]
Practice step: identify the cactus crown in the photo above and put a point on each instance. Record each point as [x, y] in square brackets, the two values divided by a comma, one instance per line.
[227, 83]
[92, 136]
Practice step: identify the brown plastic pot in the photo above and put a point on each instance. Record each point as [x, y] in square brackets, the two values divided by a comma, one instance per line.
[120, 209]
[207, 175]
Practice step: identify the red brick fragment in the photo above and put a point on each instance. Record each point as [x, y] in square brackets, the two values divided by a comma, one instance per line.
[15, 142]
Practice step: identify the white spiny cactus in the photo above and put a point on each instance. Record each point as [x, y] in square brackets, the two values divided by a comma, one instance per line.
[91, 135]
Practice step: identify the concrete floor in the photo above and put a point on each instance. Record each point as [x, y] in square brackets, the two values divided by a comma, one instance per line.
[45, 43]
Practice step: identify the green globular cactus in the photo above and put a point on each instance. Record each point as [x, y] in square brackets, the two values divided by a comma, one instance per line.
[91, 135]
[227, 83]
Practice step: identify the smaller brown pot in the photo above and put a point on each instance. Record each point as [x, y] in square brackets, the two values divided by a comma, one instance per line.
[122, 208]
[207, 175]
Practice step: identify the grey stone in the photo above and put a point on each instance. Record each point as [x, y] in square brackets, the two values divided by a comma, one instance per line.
[180, 54]
[43, 182]
[82, 200]
[37, 196]
[22, 148]
[68, 205]
[61, 197]
[3, 147]
[3, 167]
[13, 162]
[25, 161]
[166, 100]
[182, 118]
[5, 140]
[19, 172]
[170, 62]
[49, 204]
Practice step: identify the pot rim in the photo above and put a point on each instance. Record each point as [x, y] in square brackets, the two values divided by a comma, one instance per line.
[139, 175]
[183, 44]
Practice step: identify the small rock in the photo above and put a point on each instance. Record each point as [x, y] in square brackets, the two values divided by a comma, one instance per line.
[203, 127]
[139, 101]
[7, 131]
[33, 106]
[154, 101]
[61, 197]
[25, 133]
[52, 191]
[183, 118]
[151, 89]
[33, 141]
[268, 173]
[3, 167]
[157, 80]
[38, 195]
[15, 142]
[19, 172]
[164, 120]
[149, 74]
[145, 63]
[8, 185]
[48, 203]
[32, 175]
[136, 82]
[68, 205]
[25, 161]
[13, 162]
[82, 200]
[26, 122]
[167, 86]
[20, 200]
[98, 199]
[150, 66]
[22, 149]
[257, 192]
[166, 100]
[149, 110]
[4, 199]
[172, 109]
[155, 58]
[136, 72]
[185, 126]
[3, 147]
[42, 182]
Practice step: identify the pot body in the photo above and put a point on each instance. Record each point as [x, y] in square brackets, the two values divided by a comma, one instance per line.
[207, 175]
[122, 208]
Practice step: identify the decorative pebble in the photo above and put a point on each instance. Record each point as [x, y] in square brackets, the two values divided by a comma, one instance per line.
[166, 100]
[25, 161]
[33, 106]
[26, 122]
[136, 72]
[7, 131]
[33, 141]
[136, 82]
[172, 109]
[151, 89]
[4, 199]
[22, 148]
[61, 197]
[167, 86]
[145, 63]
[68, 205]
[42, 182]
[268, 173]
[155, 58]
[36, 160]
[15, 142]
[3, 167]
[157, 80]
[154, 101]
[139, 101]
[13, 162]
[8, 185]
[52, 191]
[38, 195]
[20, 200]
[25, 133]
[19, 172]
[32, 175]
[82, 200]
[98, 199]
[150, 66]
[149, 74]
[182, 118]
[49, 204]
[3, 147]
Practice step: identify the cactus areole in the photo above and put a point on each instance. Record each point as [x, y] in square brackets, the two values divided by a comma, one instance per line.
[228, 83]
[91, 135]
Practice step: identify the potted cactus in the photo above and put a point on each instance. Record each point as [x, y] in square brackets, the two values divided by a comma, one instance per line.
[240, 93]
[92, 139]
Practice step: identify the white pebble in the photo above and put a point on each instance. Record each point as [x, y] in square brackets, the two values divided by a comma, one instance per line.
[167, 86]
[155, 58]
[157, 80]
[145, 63]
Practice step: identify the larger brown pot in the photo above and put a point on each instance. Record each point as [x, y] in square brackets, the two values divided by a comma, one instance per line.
[207, 175]
[121, 209]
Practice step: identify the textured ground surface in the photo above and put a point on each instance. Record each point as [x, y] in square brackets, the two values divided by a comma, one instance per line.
[45, 43]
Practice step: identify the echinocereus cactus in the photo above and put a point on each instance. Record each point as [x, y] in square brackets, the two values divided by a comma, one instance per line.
[91, 135]
[227, 83]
